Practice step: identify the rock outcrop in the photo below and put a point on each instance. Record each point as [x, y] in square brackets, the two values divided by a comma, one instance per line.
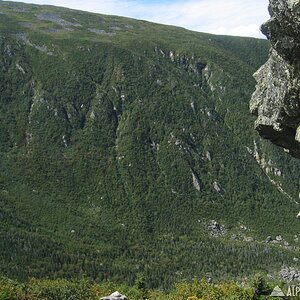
[276, 101]
[115, 296]
[216, 229]
[289, 274]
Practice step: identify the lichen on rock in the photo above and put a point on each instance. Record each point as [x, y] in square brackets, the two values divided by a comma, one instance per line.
[276, 101]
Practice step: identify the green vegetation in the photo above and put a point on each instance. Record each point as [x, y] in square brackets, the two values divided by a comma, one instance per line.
[84, 289]
[120, 142]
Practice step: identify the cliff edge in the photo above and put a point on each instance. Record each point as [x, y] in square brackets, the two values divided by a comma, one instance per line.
[276, 101]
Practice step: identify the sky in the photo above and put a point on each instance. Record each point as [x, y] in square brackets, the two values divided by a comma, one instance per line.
[230, 17]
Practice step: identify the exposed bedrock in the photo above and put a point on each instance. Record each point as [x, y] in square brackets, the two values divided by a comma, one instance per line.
[276, 101]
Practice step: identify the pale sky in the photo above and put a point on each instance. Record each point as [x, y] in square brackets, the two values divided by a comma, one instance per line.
[230, 17]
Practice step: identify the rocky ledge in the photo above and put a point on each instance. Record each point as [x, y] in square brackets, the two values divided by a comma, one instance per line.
[276, 101]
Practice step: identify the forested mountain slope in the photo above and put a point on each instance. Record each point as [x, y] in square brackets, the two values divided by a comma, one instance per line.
[127, 148]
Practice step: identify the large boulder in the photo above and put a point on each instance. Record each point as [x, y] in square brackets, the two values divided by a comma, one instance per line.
[115, 296]
[276, 101]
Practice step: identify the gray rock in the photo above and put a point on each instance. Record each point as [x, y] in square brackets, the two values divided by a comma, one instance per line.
[8, 51]
[208, 155]
[276, 99]
[197, 182]
[217, 187]
[248, 239]
[289, 274]
[269, 239]
[56, 19]
[234, 237]
[115, 296]
[216, 229]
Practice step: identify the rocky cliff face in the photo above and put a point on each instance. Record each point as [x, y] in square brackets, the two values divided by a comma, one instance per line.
[276, 100]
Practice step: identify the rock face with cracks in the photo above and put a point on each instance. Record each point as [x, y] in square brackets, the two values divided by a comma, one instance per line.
[276, 101]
